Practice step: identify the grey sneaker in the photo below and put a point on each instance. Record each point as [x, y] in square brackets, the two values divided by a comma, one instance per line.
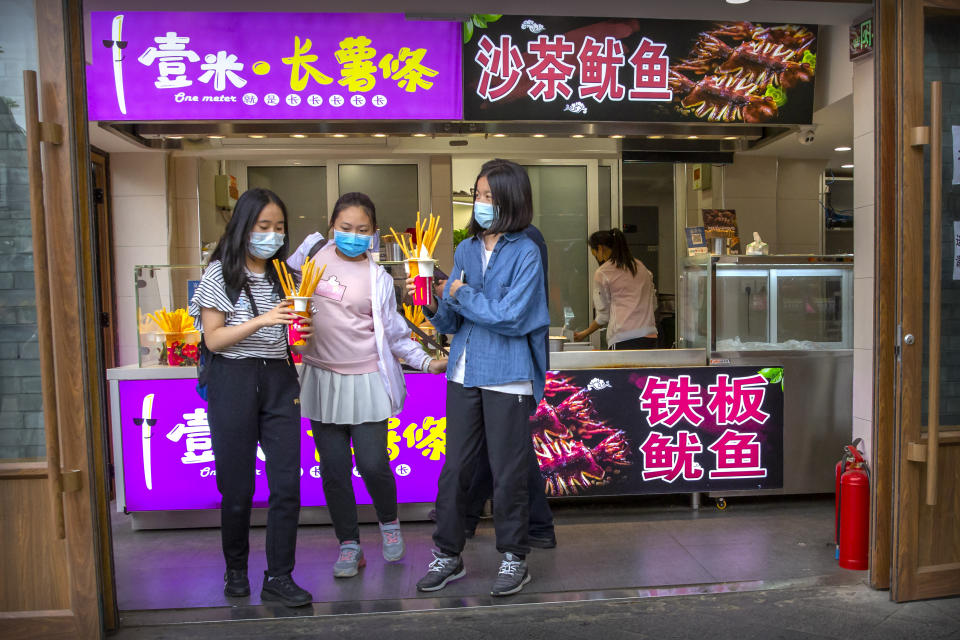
[350, 561]
[513, 575]
[393, 547]
[442, 570]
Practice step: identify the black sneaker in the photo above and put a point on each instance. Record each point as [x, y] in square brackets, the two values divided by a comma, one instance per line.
[236, 584]
[284, 590]
[513, 575]
[443, 569]
[542, 542]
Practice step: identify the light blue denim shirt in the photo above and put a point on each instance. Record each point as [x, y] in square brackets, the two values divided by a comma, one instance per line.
[499, 316]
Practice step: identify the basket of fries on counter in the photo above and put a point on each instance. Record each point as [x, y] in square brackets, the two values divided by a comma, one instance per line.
[419, 253]
[301, 293]
[180, 337]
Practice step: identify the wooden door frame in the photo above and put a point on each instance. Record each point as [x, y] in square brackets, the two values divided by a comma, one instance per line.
[886, 240]
[74, 328]
[909, 580]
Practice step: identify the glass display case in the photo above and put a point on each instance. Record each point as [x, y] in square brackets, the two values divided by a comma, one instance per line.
[165, 334]
[767, 303]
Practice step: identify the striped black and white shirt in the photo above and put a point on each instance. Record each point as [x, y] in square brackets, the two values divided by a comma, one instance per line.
[268, 342]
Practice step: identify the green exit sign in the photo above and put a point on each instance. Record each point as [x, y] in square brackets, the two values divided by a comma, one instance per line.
[861, 38]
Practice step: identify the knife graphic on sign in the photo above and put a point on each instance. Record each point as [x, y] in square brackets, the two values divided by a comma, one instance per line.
[146, 422]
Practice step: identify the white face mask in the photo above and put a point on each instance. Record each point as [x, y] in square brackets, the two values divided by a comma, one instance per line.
[264, 244]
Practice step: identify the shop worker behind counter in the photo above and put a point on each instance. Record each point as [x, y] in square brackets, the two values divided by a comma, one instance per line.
[253, 391]
[495, 308]
[624, 296]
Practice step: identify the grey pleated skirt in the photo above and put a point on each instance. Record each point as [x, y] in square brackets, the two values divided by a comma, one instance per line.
[337, 398]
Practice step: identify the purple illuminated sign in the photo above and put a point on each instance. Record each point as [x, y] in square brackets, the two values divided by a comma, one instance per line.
[168, 458]
[272, 66]
[596, 432]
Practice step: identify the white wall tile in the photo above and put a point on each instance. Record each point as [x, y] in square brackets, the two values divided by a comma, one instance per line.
[799, 178]
[185, 170]
[864, 429]
[138, 174]
[186, 229]
[863, 384]
[126, 354]
[863, 172]
[756, 214]
[126, 327]
[864, 242]
[799, 222]
[749, 177]
[864, 107]
[139, 221]
[126, 258]
[863, 297]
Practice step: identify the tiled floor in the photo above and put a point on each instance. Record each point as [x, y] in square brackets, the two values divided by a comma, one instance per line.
[643, 542]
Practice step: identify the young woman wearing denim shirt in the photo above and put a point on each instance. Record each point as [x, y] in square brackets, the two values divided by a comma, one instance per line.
[494, 305]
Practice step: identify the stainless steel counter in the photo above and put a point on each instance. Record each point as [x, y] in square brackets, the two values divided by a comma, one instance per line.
[627, 359]
[818, 413]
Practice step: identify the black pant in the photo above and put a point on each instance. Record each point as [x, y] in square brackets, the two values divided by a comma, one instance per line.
[475, 416]
[481, 489]
[373, 465]
[635, 343]
[253, 400]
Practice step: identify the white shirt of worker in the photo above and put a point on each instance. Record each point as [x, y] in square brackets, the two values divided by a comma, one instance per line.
[624, 302]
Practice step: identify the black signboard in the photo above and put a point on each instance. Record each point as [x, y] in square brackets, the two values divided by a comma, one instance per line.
[645, 431]
[620, 69]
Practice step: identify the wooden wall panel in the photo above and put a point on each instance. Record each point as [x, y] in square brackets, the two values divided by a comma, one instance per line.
[33, 561]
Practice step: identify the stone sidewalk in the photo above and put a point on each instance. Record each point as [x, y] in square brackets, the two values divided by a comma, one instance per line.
[842, 612]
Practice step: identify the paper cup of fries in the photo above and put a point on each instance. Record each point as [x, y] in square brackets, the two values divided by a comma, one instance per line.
[301, 307]
[423, 281]
[300, 294]
[419, 263]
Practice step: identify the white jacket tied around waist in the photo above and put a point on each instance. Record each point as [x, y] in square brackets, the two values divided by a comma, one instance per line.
[389, 328]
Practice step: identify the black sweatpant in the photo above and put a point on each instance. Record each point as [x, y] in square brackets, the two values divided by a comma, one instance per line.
[481, 489]
[373, 465]
[254, 400]
[475, 416]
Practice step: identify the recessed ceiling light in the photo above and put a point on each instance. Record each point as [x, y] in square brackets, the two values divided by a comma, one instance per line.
[846, 166]
[737, 1]
[175, 137]
[842, 149]
[296, 162]
[215, 137]
[539, 135]
[303, 217]
[256, 135]
[617, 135]
[503, 135]
[298, 135]
[379, 135]
[655, 137]
[730, 137]
[339, 135]
[419, 135]
[693, 137]
[577, 135]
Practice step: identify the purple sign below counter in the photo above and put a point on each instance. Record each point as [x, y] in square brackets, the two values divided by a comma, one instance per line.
[167, 455]
[170, 66]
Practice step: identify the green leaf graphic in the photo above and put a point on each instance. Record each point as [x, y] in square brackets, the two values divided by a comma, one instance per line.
[467, 31]
[779, 95]
[773, 375]
[810, 58]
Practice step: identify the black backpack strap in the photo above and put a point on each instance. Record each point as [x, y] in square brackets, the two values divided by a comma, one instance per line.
[315, 248]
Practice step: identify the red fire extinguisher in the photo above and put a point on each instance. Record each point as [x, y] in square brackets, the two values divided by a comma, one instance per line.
[846, 461]
[854, 534]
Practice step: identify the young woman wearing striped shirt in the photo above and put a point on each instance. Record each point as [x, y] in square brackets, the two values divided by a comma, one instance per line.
[253, 391]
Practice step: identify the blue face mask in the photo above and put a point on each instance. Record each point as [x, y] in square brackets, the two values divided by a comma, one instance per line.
[351, 244]
[485, 214]
[264, 244]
